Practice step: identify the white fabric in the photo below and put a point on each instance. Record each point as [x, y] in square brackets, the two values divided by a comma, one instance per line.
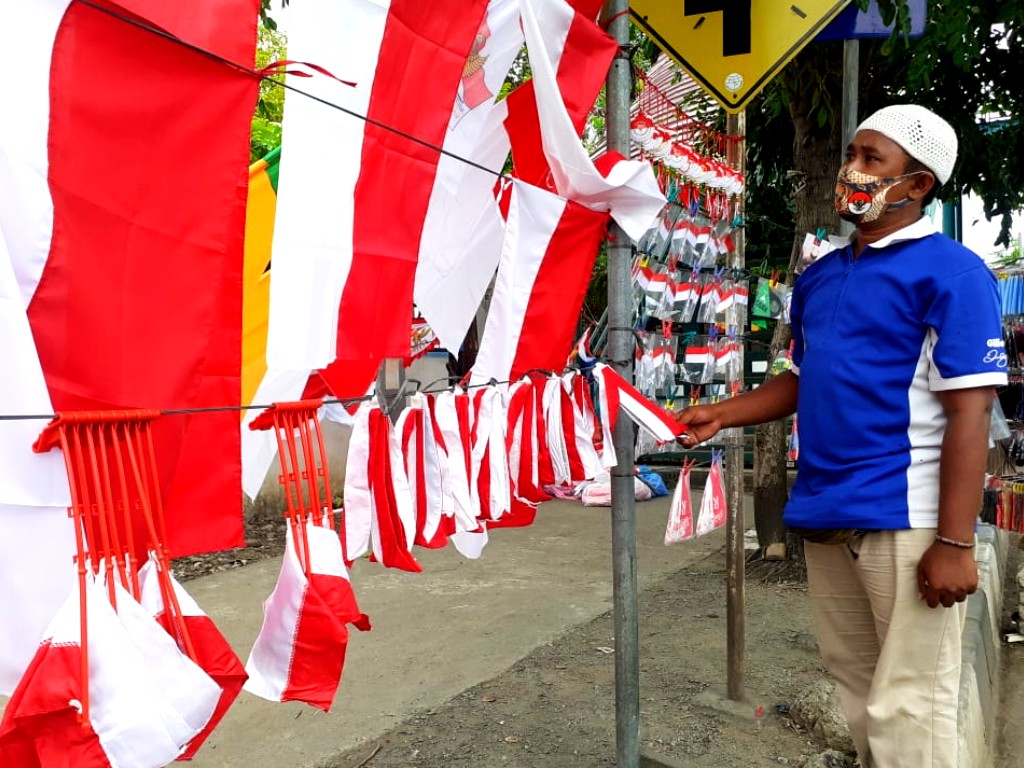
[151, 598]
[630, 191]
[435, 473]
[36, 536]
[26, 207]
[126, 708]
[448, 423]
[924, 136]
[555, 431]
[500, 496]
[358, 504]
[533, 217]
[312, 248]
[402, 489]
[37, 547]
[269, 663]
[584, 424]
[462, 231]
[191, 695]
[259, 447]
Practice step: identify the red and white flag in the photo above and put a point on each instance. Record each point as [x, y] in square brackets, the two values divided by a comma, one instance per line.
[578, 424]
[626, 188]
[213, 653]
[546, 259]
[379, 512]
[131, 719]
[614, 393]
[300, 652]
[463, 228]
[680, 512]
[125, 266]
[350, 220]
[713, 507]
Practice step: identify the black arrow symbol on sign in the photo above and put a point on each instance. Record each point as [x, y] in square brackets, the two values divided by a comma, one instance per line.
[735, 22]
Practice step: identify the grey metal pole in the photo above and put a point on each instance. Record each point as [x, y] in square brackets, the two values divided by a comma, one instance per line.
[735, 565]
[851, 84]
[620, 350]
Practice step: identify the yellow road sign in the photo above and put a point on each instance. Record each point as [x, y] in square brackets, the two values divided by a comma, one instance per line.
[734, 47]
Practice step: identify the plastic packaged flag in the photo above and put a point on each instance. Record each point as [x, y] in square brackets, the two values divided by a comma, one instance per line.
[688, 296]
[698, 360]
[680, 513]
[771, 298]
[655, 240]
[794, 442]
[710, 294]
[645, 366]
[665, 369]
[763, 298]
[726, 300]
[668, 299]
[713, 509]
[655, 293]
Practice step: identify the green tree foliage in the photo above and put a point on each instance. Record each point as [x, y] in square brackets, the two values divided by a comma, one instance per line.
[967, 67]
[266, 122]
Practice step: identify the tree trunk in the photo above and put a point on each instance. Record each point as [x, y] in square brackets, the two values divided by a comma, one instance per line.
[817, 155]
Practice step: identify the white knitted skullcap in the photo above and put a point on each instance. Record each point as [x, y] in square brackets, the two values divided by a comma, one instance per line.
[924, 136]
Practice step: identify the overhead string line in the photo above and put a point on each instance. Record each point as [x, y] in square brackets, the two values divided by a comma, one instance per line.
[262, 75]
[326, 400]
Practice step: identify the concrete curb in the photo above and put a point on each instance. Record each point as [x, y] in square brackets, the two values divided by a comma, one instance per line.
[979, 672]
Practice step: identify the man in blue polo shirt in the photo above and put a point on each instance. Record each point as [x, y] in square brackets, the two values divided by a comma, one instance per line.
[897, 348]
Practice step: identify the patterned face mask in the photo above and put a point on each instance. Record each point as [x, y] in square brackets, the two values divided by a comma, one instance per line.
[862, 197]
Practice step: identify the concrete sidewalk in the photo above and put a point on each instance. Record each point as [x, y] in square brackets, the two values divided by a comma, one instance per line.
[435, 634]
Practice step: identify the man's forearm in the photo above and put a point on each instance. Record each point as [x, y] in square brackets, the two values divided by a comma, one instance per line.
[775, 399]
[962, 464]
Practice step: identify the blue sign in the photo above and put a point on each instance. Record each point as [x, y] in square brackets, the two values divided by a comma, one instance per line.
[853, 24]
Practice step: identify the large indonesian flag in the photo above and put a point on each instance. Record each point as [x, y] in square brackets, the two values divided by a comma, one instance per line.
[131, 273]
[353, 193]
[119, 279]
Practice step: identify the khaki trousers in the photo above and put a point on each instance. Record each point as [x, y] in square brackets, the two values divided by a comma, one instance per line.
[896, 662]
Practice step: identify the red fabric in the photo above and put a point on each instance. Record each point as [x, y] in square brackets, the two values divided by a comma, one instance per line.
[576, 471]
[446, 527]
[40, 727]
[556, 299]
[545, 468]
[343, 379]
[412, 436]
[526, 495]
[582, 69]
[215, 657]
[483, 481]
[321, 640]
[394, 554]
[140, 302]
[430, 41]
[581, 394]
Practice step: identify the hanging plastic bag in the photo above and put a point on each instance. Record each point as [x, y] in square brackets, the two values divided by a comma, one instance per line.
[713, 509]
[726, 300]
[655, 294]
[688, 295]
[680, 513]
[698, 360]
[644, 366]
[709, 297]
[763, 298]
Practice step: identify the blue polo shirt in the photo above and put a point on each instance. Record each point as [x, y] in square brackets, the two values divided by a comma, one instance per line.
[875, 339]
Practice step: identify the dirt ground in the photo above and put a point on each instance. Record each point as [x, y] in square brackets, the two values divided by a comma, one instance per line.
[556, 706]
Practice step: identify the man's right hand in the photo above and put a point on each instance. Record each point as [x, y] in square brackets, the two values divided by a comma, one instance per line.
[703, 423]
